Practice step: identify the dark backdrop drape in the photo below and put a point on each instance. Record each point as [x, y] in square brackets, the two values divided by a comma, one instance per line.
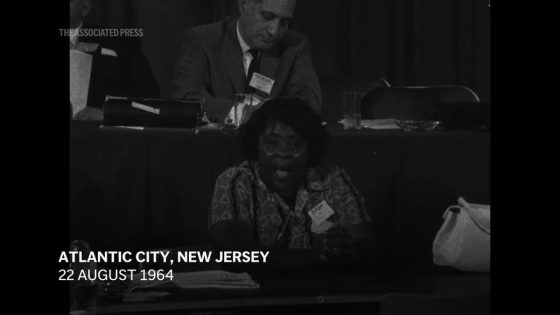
[408, 42]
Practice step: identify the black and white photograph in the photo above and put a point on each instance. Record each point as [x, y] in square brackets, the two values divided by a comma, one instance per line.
[276, 157]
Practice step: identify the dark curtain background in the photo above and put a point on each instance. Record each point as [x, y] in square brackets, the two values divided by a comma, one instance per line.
[408, 42]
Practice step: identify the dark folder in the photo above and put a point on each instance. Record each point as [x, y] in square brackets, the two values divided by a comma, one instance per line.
[140, 112]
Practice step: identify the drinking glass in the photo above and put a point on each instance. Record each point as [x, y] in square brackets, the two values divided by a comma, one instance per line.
[352, 109]
[239, 113]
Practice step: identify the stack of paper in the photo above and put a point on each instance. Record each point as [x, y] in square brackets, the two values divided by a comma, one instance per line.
[217, 279]
[376, 124]
[380, 124]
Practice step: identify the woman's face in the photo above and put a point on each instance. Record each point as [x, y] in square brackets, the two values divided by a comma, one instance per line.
[282, 159]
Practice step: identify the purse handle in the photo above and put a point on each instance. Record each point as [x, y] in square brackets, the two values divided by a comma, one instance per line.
[478, 218]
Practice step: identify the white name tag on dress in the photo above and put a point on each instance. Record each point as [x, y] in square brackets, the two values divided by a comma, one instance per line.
[320, 213]
[261, 83]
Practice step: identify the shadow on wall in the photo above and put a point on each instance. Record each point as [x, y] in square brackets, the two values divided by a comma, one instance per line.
[409, 43]
[162, 23]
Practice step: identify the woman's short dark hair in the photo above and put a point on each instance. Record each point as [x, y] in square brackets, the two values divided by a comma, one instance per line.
[293, 112]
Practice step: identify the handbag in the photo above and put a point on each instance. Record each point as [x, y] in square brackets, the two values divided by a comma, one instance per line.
[463, 241]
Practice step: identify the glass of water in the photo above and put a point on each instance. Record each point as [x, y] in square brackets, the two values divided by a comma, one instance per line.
[352, 109]
[239, 113]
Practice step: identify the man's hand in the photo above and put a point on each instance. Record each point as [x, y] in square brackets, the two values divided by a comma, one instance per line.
[247, 112]
[249, 108]
[89, 113]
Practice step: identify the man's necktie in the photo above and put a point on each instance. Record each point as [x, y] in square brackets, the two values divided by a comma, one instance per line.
[253, 67]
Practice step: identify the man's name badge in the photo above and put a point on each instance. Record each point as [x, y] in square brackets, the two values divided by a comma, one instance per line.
[261, 83]
[320, 213]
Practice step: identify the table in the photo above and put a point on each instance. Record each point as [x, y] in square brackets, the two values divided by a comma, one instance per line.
[321, 291]
[134, 189]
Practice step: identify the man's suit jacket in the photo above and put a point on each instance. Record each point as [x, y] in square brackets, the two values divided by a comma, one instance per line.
[126, 74]
[210, 65]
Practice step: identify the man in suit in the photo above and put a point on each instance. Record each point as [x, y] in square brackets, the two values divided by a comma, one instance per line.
[118, 66]
[255, 54]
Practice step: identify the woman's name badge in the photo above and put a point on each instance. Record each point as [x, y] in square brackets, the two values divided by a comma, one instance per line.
[261, 83]
[320, 212]
[321, 228]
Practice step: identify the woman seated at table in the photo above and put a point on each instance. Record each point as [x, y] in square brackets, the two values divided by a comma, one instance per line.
[282, 199]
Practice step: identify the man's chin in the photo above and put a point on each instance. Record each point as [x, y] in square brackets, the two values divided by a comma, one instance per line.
[266, 45]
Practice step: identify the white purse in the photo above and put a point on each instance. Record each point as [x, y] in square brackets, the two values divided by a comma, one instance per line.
[463, 241]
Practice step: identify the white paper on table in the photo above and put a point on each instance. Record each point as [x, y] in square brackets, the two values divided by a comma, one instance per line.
[112, 97]
[380, 124]
[219, 279]
[80, 74]
[214, 279]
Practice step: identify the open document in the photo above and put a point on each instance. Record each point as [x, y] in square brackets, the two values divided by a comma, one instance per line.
[215, 279]
[376, 124]
[380, 124]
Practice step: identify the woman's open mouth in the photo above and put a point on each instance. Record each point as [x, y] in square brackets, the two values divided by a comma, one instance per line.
[281, 173]
[281, 170]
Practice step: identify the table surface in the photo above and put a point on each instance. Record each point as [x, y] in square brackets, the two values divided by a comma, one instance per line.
[314, 289]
